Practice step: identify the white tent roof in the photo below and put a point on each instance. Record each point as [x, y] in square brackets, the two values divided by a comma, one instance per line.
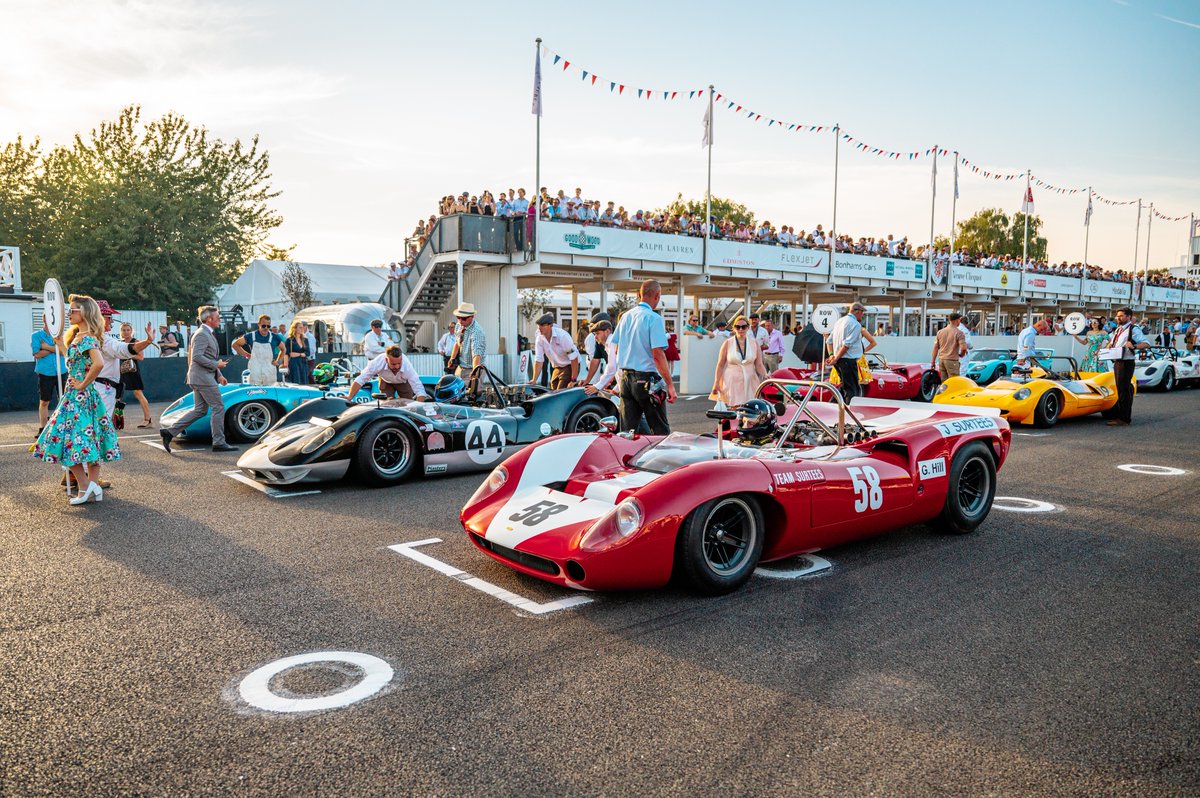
[259, 289]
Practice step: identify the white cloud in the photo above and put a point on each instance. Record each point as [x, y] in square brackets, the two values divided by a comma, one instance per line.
[1177, 21]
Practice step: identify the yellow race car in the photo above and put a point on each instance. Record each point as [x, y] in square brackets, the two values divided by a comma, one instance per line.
[1041, 394]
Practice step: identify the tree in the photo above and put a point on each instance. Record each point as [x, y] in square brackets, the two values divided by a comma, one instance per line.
[147, 215]
[992, 231]
[297, 287]
[272, 252]
[721, 208]
[533, 302]
[620, 303]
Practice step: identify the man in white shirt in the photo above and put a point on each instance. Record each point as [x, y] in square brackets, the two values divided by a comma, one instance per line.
[554, 344]
[445, 345]
[375, 342]
[722, 330]
[758, 333]
[397, 377]
[600, 370]
[1027, 342]
[846, 342]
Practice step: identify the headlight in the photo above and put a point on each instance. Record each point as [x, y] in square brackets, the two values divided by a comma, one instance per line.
[1151, 370]
[628, 517]
[941, 388]
[318, 440]
[1022, 393]
[494, 482]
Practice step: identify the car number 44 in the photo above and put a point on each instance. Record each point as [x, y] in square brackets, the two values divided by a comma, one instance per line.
[868, 495]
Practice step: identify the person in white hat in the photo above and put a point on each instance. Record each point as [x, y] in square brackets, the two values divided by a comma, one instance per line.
[471, 344]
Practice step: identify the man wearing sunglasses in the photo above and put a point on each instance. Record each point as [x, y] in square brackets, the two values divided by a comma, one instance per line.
[264, 349]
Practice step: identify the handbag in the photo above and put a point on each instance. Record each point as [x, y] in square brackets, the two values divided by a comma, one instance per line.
[118, 416]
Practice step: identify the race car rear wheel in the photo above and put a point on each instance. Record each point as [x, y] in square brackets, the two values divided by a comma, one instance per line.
[1045, 415]
[385, 454]
[719, 544]
[929, 385]
[586, 418]
[249, 421]
[999, 374]
[1168, 381]
[971, 489]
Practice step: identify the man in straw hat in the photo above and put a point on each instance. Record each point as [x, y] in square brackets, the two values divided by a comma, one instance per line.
[471, 344]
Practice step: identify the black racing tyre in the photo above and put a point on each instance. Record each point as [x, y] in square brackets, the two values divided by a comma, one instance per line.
[1000, 373]
[1168, 380]
[246, 422]
[386, 453]
[930, 381]
[1045, 415]
[719, 544]
[971, 489]
[586, 418]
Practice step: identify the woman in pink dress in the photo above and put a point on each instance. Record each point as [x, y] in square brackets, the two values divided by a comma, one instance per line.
[740, 367]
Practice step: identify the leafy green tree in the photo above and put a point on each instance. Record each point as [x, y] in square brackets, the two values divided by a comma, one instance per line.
[618, 304]
[993, 231]
[722, 208]
[146, 215]
[533, 302]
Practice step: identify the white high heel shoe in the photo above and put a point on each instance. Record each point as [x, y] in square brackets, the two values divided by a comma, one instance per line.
[94, 491]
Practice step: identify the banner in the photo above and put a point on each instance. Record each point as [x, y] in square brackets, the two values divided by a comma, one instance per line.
[1191, 298]
[764, 256]
[976, 277]
[1053, 283]
[1103, 289]
[1160, 294]
[614, 242]
[869, 266]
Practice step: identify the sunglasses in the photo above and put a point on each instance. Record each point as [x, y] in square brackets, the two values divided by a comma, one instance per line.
[75, 310]
[264, 324]
[741, 326]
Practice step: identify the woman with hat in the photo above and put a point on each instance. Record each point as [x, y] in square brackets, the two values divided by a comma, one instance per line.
[470, 345]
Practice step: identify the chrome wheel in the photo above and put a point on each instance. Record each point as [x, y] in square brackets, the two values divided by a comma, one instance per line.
[588, 421]
[1051, 407]
[253, 419]
[391, 451]
[730, 533]
[974, 488]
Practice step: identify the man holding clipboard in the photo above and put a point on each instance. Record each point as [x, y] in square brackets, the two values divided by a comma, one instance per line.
[1120, 352]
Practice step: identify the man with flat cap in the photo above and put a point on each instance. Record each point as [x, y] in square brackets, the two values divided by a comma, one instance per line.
[554, 344]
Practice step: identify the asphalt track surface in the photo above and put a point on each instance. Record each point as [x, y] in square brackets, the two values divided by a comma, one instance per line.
[1045, 654]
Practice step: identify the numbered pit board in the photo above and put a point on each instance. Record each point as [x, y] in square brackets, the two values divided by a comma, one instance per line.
[1075, 323]
[824, 317]
[52, 303]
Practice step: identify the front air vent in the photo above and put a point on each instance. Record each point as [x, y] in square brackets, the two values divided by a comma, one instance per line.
[521, 558]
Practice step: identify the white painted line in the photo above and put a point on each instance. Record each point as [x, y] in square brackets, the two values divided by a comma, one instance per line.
[119, 437]
[256, 691]
[495, 591]
[156, 445]
[274, 493]
[690, 398]
[1155, 470]
[1015, 504]
[806, 565]
[1033, 434]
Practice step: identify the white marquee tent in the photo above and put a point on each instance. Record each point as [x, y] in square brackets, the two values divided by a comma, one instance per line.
[259, 289]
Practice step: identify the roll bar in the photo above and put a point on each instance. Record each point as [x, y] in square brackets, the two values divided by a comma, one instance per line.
[801, 402]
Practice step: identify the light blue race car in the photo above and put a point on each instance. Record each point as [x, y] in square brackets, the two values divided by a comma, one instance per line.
[985, 366]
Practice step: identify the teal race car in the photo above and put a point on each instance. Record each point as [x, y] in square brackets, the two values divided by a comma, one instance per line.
[984, 366]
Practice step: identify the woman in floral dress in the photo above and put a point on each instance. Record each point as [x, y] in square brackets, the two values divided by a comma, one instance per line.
[1096, 336]
[80, 431]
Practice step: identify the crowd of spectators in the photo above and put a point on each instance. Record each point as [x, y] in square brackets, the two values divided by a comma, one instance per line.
[578, 209]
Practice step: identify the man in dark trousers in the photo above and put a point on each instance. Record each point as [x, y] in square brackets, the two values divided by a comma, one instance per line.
[846, 342]
[641, 341]
[204, 378]
[1127, 337]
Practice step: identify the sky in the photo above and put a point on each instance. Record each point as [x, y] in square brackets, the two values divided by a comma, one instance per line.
[372, 111]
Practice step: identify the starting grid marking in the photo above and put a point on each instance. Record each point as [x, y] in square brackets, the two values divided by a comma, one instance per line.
[274, 493]
[119, 437]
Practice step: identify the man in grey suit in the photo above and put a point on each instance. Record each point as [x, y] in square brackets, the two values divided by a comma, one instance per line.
[203, 377]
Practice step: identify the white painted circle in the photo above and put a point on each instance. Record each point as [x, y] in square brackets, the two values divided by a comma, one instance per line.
[1015, 504]
[1075, 323]
[807, 564]
[545, 429]
[52, 306]
[255, 689]
[484, 441]
[824, 317]
[1156, 470]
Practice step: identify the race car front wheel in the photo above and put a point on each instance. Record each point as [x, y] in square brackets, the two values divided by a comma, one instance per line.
[929, 385]
[971, 489]
[1168, 383]
[249, 421]
[719, 545]
[385, 454]
[586, 417]
[1048, 407]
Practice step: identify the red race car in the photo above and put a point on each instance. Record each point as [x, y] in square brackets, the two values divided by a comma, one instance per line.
[917, 381]
[620, 511]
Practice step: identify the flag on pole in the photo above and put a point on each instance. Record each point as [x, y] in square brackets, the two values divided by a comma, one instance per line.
[1195, 228]
[1087, 217]
[707, 140]
[956, 178]
[1027, 203]
[537, 84]
[933, 179]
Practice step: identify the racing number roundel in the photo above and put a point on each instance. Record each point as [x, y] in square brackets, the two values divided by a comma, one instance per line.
[1075, 323]
[485, 441]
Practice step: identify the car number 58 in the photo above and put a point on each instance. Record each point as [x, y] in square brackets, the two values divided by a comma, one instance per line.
[867, 493]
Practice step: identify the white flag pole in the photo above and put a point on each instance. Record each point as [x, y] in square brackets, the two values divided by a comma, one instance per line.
[837, 137]
[1087, 233]
[537, 162]
[708, 134]
[1137, 233]
[953, 221]
[1025, 212]
[932, 208]
[1146, 265]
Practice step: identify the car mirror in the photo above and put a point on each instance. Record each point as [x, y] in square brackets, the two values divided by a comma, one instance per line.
[609, 424]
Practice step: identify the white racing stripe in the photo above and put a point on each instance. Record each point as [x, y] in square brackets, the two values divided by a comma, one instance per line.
[607, 490]
[553, 460]
[537, 510]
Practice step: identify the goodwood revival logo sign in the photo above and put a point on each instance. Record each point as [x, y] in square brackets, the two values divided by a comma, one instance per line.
[581, 241]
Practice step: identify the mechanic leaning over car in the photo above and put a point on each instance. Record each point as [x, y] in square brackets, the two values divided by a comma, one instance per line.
[1027, 342]
[641, 340]
[554, 344]
[1127, 337]
[397, 377]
